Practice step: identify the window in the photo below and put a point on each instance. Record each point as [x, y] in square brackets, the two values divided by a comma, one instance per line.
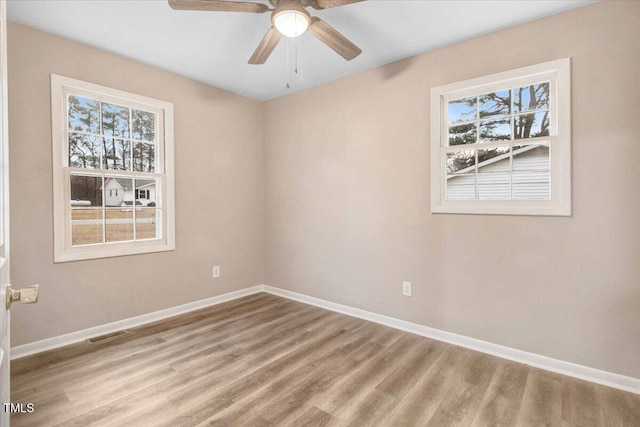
[500, 144]
[111, 149]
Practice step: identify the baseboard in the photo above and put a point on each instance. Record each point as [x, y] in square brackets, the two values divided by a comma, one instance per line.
[598, 376]
[609, 379]
[74, 337]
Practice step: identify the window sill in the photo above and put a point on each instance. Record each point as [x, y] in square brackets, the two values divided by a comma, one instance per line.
[491, 207]
[79, 253]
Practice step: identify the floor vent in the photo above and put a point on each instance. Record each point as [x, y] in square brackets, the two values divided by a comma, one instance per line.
[111, 336]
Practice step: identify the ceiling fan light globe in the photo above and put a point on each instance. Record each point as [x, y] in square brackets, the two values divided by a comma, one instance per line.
[291, 23]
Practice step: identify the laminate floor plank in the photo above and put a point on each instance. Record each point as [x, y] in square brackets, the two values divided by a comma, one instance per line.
[275, 329]
[501, 403]
[193, 383]
[579, 403]
[421, 402]
[542, 401]
[465, 392]
[69, 354]
[136, 366]
[369, 410]
[200, 393]
[278, 356]
[125, 351]
[250, 391]
[263, 360]
[290, 396]
[314, 417]
[342, 398]
[404, 376]
[109, 375]
[619, 409]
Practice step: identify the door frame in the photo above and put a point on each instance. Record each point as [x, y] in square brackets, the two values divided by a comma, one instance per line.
[5, 333]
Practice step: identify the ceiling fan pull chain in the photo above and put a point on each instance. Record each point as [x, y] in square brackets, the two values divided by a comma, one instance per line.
[295, 46]
[295, 51]
[288, 85]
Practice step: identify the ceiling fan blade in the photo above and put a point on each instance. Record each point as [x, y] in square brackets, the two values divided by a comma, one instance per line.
[336, 41]
[218, 6]
[328, 4]
[266, 46]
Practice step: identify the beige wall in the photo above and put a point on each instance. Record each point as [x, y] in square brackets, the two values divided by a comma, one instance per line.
[219, 193]
[347, 199]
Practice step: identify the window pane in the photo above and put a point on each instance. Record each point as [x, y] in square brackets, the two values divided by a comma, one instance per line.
[119, 224]
[118, 191]
[86, 226]
[495, 130]
[461, 187]
[115, 120]
[146, 192]
[462, 110]
[528, 98]
[494, 160]
[463, 134]
[83, 114]
[461, 162]
[117, 154]
[84, 151]
[531, 157]
[530, 185]
[494, 186]
[144, 156]
[86, 190]
[147, 223]
[143, 125]
[531, 125]
[495, 103]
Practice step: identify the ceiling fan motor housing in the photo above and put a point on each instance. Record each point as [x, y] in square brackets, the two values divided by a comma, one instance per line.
[290, 17]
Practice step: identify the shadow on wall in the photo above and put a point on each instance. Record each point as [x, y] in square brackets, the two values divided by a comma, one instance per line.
[395, 69]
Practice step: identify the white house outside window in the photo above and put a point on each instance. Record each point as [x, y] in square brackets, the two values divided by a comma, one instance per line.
[113, 172]
[501, 143]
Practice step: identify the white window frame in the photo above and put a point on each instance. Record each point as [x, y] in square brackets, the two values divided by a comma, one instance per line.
[558, 73]
[63, 249]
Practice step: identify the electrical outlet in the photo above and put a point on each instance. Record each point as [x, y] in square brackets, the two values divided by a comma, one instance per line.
[216, 271]
[406, 289]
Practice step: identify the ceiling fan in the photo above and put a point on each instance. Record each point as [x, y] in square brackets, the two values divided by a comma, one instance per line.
[289, 18]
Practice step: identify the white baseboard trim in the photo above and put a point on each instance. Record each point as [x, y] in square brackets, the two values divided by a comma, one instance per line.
[74, 337]
[598, 376]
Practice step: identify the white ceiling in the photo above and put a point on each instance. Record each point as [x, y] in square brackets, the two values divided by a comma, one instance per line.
[214, 47]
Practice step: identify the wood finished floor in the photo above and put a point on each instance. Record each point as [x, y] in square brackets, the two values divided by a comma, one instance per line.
[264, 360]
